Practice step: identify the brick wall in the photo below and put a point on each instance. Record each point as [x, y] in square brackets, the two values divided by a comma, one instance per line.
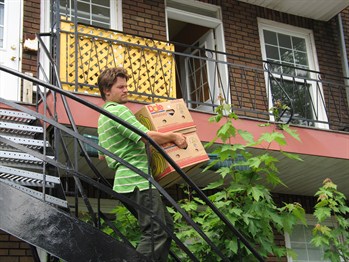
[147, 18]
[31, 26]
[14, 250]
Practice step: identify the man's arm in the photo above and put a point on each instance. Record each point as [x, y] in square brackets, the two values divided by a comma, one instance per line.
[162, 138]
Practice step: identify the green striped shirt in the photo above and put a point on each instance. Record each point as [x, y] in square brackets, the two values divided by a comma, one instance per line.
[125, 144]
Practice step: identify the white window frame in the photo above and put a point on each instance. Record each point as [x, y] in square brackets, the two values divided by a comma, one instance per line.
[3, 27]
[206, 42]
[116, 24]
[264, 24]
[115, 17]
[216, 24]
[311, 221]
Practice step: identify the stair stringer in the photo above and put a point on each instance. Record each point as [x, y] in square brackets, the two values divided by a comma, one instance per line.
[42, 225]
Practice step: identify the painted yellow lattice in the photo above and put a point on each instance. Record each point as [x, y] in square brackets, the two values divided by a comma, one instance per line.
[149, 63]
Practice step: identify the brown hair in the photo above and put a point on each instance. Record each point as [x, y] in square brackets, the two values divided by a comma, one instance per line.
[108, 77]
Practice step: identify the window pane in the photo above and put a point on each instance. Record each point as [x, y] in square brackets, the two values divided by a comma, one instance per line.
[2, 13]
[302, 73]
[315, 253]
[299, 44]
[1, 23]
[101, 2]
[301, 58]
[270, 37]
[96, 12]
[286, 55]
[285, 40]
[288, 69]
[272, 52]
[100, 14]
[297, 234]
[300, 243]
[275, 68]
[1, 37]
[83, 10]
[287, 50]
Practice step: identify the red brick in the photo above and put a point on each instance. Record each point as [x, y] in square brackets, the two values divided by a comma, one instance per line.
[17, 252]
[9, 259]
[26, 259]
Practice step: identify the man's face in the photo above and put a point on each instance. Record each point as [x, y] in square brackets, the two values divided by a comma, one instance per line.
[118, 92]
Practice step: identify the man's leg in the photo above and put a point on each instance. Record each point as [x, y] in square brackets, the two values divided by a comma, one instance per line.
[167, 245]
[151, 230]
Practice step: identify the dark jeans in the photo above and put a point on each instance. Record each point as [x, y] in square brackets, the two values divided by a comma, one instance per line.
[148, 226]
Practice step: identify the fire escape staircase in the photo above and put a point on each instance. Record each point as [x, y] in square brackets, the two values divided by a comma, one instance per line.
[30, 208]
[32, 202]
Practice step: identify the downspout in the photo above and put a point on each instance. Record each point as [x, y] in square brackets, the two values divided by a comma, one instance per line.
[344, 56]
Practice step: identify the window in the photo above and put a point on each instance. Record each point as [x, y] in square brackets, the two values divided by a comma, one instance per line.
[289, 51]
[291, 62]
[2, 18]
[99, 13]
[299, 241]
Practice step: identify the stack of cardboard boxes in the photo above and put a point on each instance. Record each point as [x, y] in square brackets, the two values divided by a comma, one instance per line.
[173, 116]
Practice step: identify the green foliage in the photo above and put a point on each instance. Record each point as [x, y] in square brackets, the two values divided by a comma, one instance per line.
[331, 205]
[126, 223]
[242, 194]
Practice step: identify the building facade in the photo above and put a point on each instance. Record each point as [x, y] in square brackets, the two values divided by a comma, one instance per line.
[253, 54]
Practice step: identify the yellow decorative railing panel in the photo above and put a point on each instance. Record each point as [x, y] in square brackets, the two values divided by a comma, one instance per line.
[150, 63]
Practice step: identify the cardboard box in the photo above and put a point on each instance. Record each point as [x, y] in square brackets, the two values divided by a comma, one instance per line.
[187, 159]
[172, 115]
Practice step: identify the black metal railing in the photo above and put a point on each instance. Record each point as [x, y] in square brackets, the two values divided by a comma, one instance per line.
[71, 170]
[204, 77]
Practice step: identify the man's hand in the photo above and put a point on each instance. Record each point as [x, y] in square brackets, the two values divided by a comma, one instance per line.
[162, 138]
[180, 140]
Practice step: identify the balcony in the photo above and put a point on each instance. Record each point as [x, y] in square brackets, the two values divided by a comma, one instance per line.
[202, 77]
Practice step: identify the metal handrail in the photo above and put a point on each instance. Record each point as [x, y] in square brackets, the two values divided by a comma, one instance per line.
[249, 88]
[151, 142]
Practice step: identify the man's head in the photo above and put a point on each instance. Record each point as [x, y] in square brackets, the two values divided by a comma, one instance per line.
[112, 84]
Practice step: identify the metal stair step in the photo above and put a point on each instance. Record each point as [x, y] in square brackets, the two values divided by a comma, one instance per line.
[27, 178]
[19, 129]
[10, 115]
[37, 194]
[28, 142]
[19, 157]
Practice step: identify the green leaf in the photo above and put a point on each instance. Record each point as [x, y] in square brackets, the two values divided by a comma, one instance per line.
[274, 136]
[215, 118]
[299, 213]
[254, 162]
[256, 193]
[226, 131]
[318, 241]
[215, 184]
[291, 132]
[292, 156]
[224, 171]
[232, 246]
[322, 213]
[247, 136]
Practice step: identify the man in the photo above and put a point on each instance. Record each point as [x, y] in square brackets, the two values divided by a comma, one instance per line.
[129, 146]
